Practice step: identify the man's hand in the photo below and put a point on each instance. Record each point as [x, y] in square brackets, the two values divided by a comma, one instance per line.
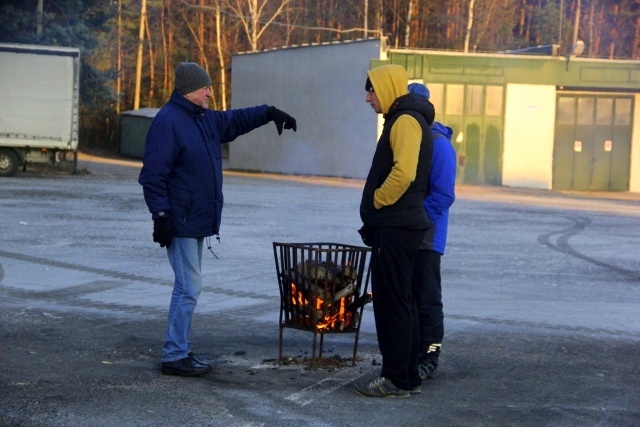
[162, 231]
[281, 119]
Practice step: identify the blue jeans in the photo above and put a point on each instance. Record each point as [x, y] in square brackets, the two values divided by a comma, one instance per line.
[185, 257]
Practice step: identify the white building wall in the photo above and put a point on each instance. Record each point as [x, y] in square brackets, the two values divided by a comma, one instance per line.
[322, 86]
[528, 136]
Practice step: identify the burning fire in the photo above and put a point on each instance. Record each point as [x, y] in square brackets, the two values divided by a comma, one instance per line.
[323, 315]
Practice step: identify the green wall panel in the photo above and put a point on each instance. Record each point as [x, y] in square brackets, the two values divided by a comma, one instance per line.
[582, 165]
[527, 69]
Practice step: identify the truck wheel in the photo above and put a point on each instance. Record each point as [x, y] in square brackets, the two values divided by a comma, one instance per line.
[8, 162]
[74, 167]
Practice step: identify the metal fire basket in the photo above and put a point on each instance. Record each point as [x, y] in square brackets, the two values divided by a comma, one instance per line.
[323, 289]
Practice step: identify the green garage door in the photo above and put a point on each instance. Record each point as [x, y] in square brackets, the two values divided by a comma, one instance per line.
[475, 113]
[592, 142]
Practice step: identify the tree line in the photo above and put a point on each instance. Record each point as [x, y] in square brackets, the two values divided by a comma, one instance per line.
[129, 48]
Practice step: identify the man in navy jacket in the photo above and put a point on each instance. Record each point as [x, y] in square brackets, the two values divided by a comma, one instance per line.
[182, 185]
[427, 281]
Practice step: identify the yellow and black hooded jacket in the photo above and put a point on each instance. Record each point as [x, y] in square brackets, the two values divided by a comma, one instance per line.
[398, 180]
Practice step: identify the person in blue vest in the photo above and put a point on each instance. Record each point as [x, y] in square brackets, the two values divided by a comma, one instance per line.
[181, 179]
[427, 279]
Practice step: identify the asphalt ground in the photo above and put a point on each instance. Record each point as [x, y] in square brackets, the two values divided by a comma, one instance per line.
[541, 294]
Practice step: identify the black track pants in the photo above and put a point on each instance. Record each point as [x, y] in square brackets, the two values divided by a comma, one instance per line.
[394, 252]
[427, 289]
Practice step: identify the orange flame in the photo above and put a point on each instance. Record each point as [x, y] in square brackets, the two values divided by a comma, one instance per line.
[334, 316]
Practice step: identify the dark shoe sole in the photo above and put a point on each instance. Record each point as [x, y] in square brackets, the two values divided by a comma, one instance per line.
[197, 361]
[194, 373]
[386, 396]
[364, 392]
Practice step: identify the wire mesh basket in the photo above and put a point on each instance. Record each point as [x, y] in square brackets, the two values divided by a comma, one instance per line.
[323, 289]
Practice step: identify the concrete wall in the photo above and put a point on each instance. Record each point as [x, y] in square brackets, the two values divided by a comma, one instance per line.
[528, 136]
[322, 86]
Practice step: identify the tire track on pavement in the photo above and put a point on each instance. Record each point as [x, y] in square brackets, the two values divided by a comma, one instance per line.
[71, 295]
[579, 224]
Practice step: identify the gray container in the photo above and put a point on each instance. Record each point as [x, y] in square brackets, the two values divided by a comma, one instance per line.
[134, 126]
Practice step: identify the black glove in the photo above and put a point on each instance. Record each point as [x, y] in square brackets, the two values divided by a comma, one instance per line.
[162, 231]
[281, 118]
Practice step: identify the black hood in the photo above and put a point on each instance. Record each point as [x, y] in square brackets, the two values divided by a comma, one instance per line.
[413, 102]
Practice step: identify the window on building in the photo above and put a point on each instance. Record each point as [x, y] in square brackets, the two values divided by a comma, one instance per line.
[494, 101]
[566, 113]
[586, 108]
[437, 96]
[455, 99]
[623, 112]
[475, 100]
[604, 111]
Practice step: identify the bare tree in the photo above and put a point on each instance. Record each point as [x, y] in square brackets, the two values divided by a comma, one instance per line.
[221, 58]
[200, 43]
[467, 34]
[408, 26]
[165, 50]
[635, 48]
[251, 14]
[119, 60]
[143, 17]
[152, 82]
[487, 22]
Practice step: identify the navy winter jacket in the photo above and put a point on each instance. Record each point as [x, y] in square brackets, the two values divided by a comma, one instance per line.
[182, 162]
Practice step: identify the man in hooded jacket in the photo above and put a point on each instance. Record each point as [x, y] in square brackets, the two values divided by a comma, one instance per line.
[181, 179]
[394, 224]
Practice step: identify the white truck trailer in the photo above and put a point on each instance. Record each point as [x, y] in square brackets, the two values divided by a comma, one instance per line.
[39, 91]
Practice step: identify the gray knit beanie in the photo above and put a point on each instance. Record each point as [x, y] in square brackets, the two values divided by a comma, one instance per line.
[189, 77]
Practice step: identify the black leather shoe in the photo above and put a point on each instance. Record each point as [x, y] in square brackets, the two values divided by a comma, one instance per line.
[197, 361]
[184, 367]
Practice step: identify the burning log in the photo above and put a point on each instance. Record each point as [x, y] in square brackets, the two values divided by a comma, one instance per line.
[311, 289]
[321, 295]
[361, 301]
[327, 271]
[314, 271]
[325, 313]
[349, 273]
[348, 290]
[320, 286]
